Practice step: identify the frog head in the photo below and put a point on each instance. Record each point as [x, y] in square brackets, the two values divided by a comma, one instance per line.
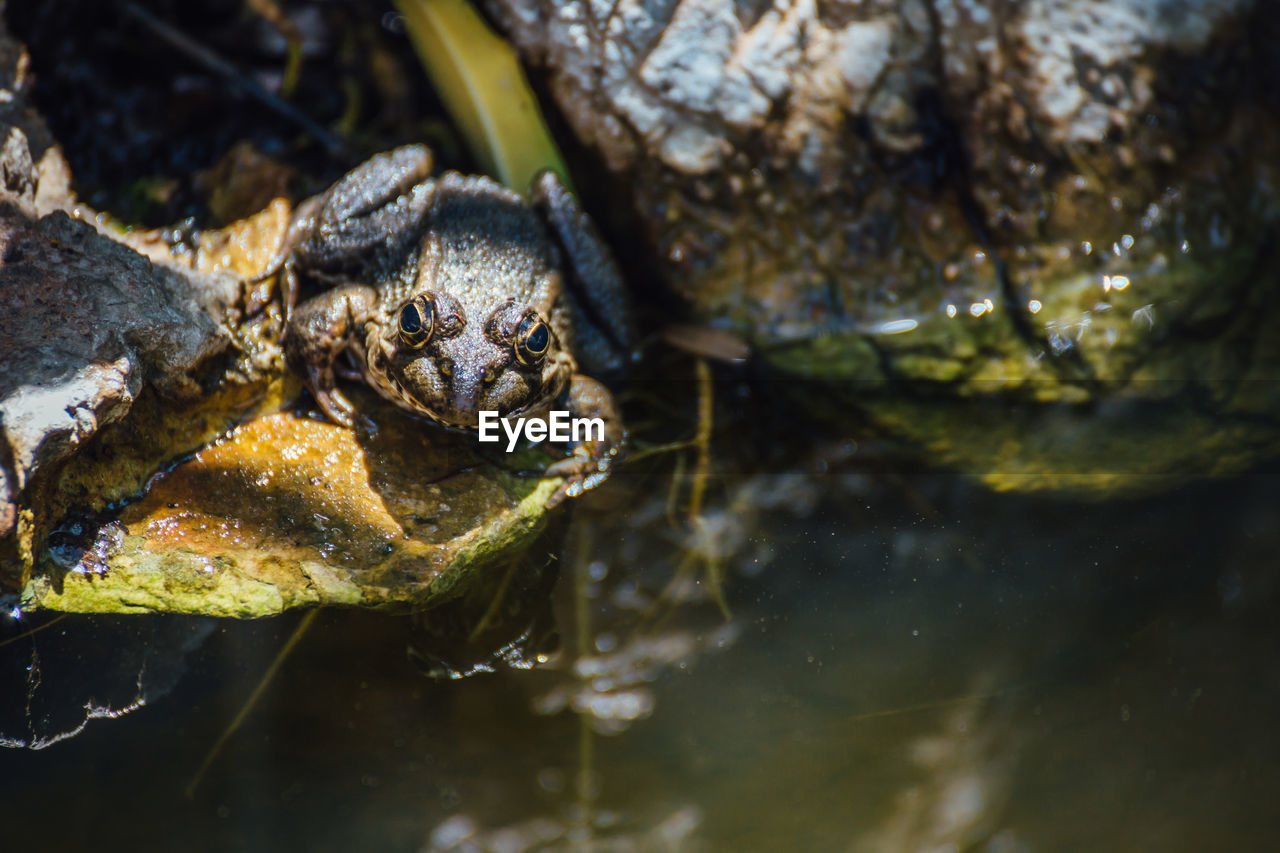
[449, 361]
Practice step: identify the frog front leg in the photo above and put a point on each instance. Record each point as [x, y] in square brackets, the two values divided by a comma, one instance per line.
[318, 332]
[381, 201]
[361, 222]
[602, 315]
[592, 460]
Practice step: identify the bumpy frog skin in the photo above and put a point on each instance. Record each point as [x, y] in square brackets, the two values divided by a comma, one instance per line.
[453, 296]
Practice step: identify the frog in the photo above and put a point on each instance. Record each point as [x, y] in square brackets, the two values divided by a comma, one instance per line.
[454, 295]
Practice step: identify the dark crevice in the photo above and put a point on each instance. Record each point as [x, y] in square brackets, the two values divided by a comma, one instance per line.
[957, 163]
[884, 362]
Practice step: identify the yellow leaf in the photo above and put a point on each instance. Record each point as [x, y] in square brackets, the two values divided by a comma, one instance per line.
[484, 89]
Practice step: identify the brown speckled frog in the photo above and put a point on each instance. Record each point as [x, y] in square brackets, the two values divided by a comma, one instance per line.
[453, 296]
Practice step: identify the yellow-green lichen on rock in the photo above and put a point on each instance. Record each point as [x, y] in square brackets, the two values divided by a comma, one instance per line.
[287, 511]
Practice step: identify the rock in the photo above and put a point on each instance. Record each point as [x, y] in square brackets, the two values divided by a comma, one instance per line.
[89, 323]
[145, 462]
[1030, 241]
[287, 511]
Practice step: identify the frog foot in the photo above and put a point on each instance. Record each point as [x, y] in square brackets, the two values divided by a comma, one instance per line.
[581, 471]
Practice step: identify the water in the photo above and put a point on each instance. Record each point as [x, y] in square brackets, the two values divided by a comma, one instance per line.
[911, 664]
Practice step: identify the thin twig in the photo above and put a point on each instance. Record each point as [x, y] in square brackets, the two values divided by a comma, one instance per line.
[217, 65]
[702, 463]
[271, 12]
[252, 701]
[54, 621]
[584, 787]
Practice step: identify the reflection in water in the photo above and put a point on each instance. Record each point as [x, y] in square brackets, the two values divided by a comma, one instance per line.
[910, 664]
[60, 673]
[964, 770]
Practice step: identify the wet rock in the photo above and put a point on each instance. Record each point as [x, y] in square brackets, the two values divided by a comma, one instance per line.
[89, 324]
[286, 511]
[1028, 240]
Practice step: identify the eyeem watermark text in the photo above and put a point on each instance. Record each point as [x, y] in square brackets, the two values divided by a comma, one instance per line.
[557, 426]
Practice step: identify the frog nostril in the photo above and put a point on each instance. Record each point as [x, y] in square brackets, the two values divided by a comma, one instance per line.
[488, 375]
[446, 369]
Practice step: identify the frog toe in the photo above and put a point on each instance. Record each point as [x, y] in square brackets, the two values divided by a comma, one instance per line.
[581, 471]
[572, 487]
[575, 466]
[336, 407]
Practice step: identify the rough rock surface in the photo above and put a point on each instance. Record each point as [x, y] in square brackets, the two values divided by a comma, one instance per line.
[88, 322]
[946, 211]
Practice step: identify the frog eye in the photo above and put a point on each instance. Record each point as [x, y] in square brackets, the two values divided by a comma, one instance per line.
[533, 339]
[417, 320]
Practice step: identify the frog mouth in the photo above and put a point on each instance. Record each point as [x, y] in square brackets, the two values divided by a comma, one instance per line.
[468, 421]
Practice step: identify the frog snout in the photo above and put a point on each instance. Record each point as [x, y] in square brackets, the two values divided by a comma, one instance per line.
[465, 401]
[468, 391]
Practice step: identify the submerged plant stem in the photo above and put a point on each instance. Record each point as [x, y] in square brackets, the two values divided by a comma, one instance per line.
[491, 612]
[247, 708]
[701, 473]
[702, 440]
[37, 629]
[586, 738]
